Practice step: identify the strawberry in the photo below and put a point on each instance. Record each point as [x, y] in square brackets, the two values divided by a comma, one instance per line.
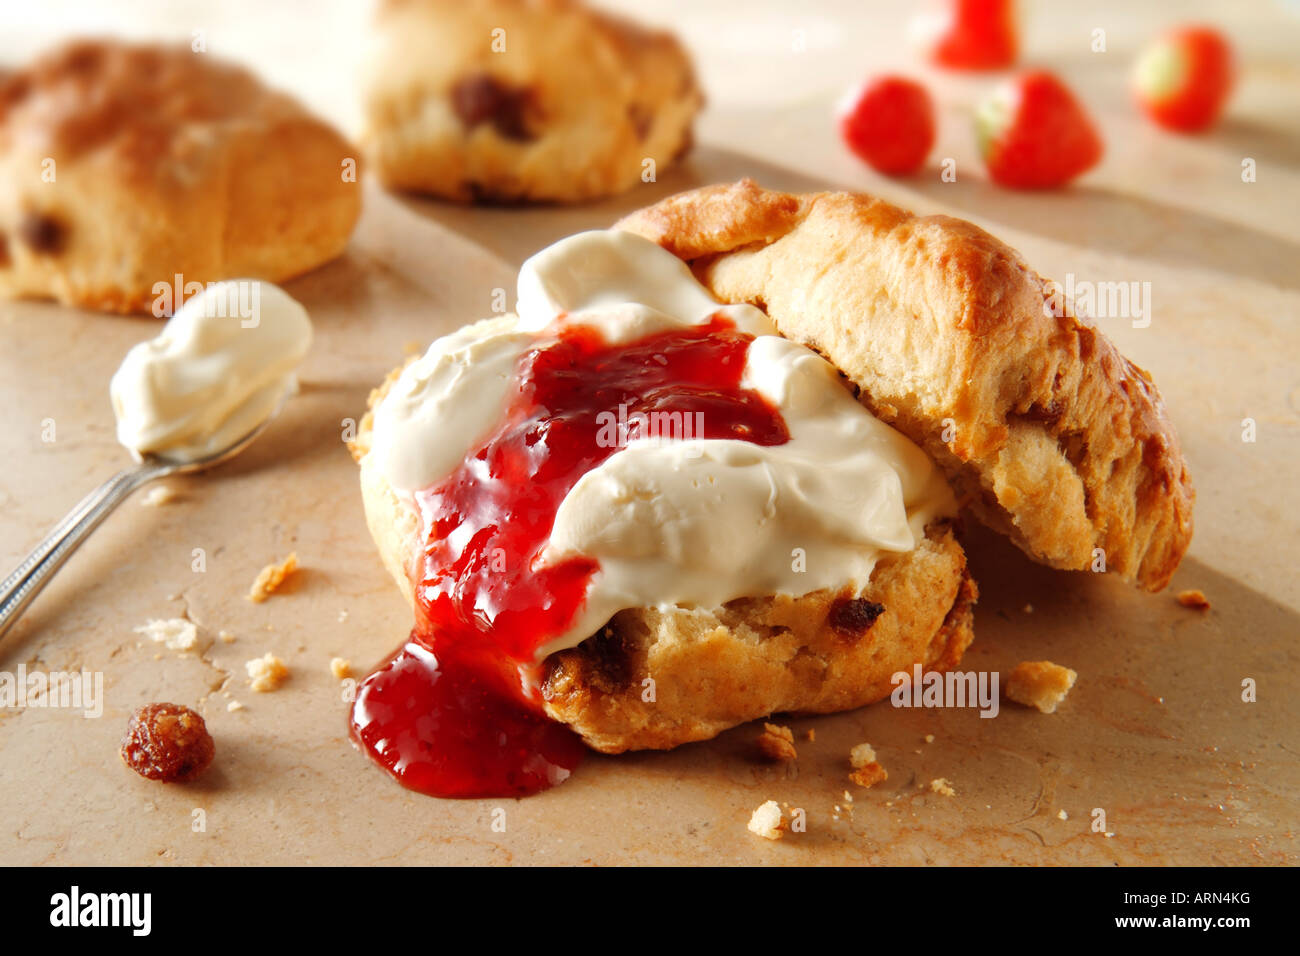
[1183, 79]
[978, 35]
[1033, 134]
[889, 123]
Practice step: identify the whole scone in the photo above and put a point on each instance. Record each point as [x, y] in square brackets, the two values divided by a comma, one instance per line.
[125, 165]
[522, 100]
[1046, 432]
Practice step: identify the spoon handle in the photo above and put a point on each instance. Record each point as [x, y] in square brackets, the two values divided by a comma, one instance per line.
[21, 587]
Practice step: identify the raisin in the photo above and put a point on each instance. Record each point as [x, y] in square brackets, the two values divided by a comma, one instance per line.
[43, 234]
[167, 742]
[851, 617]
[481, 98]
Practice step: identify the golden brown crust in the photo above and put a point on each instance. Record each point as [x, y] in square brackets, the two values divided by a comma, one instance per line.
[654, 679]
[713, 669]
[125, 165]
[1046, 431]
[522, 100]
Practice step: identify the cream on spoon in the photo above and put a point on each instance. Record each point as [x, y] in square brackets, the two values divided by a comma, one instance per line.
[195, 395]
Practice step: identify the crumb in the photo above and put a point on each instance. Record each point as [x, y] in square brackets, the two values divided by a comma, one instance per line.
[861, 755]
[158, 495]
[1029, 609]
[929, 738]
[848, 797]
[178, 634]
[340, 668]
[226, 637]
[777, 742]
[1062, 815]
[343, 615]
[167, 742]
[767, 821]
[942, 786]
[271, 577]
[812, 735]
[1040, 684]
[1194, 599]
[234, 705]
[266, 673]
[868, 775]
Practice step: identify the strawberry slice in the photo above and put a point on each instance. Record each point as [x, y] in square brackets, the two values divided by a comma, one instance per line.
[978, 35]
[1183, 79]
[1033, 133]
[889, 123]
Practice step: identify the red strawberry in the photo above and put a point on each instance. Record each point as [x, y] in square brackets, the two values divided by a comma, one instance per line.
[979, 35]
[1033, 134]
[889, 123]
[1183, 79]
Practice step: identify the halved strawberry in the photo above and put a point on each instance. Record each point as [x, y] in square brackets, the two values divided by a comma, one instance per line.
[889, 123]
[1183, 79]
[1033, 134]
[978, 35]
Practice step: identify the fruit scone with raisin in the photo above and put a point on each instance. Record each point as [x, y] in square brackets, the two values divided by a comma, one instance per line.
[522, 100]
[123, 165]
[657, 503]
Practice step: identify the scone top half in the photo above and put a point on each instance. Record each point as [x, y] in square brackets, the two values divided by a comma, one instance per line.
[1046, 431]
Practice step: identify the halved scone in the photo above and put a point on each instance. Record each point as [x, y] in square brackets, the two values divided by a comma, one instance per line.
[1046, 432]
[657, 677]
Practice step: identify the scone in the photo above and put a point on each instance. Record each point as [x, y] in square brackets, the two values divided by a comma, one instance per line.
[714, 668]
[642, 514]
[522, 100]
[1047, 433]
[124, 166]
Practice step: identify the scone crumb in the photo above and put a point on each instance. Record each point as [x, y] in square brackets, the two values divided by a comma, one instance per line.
[158, 495]
[861, 755]
[226, 637]
[929, 738]
[1062, 815]
[266, 673]
[1040, 684]
[234, 705]
[868, 775]
[777, 742]
[271, 577]
[1195, 599]
[767, 821]
[812, 735]
[340, 668]
[941, 785]
[176, 633]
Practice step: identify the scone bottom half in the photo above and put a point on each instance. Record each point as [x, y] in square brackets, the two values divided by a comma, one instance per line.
[1046, 432]
[712, 668]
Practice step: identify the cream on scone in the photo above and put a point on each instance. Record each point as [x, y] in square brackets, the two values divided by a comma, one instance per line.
[124, 166]
[1047, 433]
[731, 575]
[522, 100]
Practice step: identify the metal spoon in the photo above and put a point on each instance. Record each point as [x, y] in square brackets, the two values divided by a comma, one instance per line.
[30, 577]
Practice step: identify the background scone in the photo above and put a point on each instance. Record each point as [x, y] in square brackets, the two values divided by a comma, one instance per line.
[1045, 430]
[124, 165]
[522, 100]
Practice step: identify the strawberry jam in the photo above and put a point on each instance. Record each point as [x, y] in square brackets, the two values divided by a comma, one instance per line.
[449, 714]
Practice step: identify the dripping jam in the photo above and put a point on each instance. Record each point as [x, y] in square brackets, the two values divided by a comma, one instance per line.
[448, 713]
